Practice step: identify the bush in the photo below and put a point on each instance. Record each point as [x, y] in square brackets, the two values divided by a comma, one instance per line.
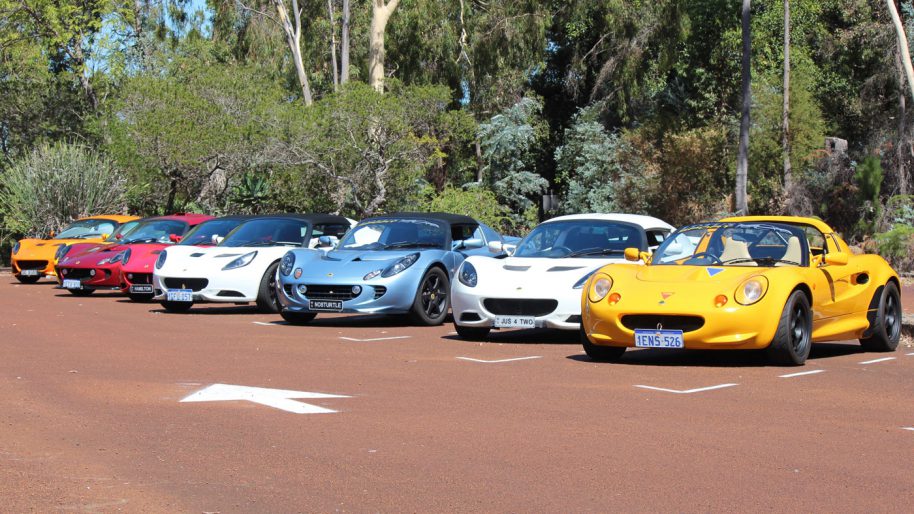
[478, 202]
[897, 246]
[50, 187]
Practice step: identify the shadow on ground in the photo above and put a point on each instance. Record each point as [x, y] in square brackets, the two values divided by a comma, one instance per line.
[526, 336]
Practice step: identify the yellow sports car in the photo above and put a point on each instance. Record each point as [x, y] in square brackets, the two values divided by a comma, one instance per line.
[35, 258]
[774, 282]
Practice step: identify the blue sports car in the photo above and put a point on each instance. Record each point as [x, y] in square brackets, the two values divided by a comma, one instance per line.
[391, 264]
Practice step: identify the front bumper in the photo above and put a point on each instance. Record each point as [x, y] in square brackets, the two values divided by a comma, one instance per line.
[43, 267]
[475, 308]
[385, 296]
[733, 326]
[222, 287]
[98, 277]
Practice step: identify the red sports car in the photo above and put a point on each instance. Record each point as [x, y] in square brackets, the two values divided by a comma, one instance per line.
[84, 272]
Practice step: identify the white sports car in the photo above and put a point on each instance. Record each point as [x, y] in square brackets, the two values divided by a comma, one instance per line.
[241, 268]
[539, 283]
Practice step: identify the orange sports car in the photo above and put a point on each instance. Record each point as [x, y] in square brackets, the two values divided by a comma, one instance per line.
[35, 258]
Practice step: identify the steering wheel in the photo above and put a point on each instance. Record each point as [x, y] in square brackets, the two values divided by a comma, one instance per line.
[701, 255]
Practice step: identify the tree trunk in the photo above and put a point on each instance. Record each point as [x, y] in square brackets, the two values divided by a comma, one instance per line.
[902, 44]
[785, 112]
[333, 63]
[344, 45]
[80, 59]
[380, 15]
[293, 38]
[742, 159]
[901, 178]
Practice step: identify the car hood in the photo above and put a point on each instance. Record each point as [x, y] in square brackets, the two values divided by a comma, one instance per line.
[352, 264]
[41, 249]
[674, 274]
[203, 260]
[90, 255]
[143, 256]
[533, 271]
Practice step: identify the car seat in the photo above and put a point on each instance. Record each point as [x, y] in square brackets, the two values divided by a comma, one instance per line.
[737, 250]
[794, 252]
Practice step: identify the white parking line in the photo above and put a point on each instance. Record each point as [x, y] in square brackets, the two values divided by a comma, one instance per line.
[270, 324]
[908, 428]
[686, 391]
[912, 353]
[874, 361]
[374, 339]
[500, 360]
[800, 374]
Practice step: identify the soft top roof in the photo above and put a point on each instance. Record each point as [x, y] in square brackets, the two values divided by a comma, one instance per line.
[446, 217]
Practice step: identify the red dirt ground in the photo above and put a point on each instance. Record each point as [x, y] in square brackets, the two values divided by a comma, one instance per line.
[91, 419]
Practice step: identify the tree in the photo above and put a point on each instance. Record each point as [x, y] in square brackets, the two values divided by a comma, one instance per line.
[381, 12]
[742, 159]
[785, 112]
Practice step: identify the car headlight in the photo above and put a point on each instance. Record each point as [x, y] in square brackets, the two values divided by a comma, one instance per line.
[288, 262]
[467, 275]
[16, 248]
[599, 288]
[372, 274]
[240, 262]
[61, 252]
[125, 256]
[580, 283]
[161, 260]
[400, 265]
[751, 291]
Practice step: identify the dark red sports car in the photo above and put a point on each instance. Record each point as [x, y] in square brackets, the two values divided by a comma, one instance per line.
[84, 272]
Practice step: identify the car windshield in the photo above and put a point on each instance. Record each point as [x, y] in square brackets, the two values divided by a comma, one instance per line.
[268, 232]
[581, 238]
[87, 228]
[203, 233]
[392, 233]
[735, 244]
[155, 231]
[122, 231]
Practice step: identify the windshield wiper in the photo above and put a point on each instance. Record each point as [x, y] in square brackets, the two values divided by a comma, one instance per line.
[738, 260]
[594, 251]
[407, 244]
[271, 243]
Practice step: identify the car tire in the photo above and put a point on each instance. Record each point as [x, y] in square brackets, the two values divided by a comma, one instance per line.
[27, 280]
[793, 339]
[267, 302]
[887, 328]
[140, 297]
[600, 353]
[472, 333]
[298, 318]
[428, 307]
[81, 292]
[177, 306]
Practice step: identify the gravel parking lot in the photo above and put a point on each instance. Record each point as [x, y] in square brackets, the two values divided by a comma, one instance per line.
[374, 415]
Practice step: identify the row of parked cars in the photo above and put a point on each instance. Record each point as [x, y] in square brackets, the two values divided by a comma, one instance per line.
[621, 280]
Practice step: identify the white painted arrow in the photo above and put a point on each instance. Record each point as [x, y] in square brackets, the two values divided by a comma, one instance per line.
[276, 398]
[686, 391]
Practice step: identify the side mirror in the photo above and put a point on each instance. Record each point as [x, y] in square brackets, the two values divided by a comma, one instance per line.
[632, 254]
[52, 233]
[105, 236]
[215, 239]
[836, 259]
[470, 244]
[326, 242]
[509, 249]
[495, 247]
[119, 237]
[174, 238]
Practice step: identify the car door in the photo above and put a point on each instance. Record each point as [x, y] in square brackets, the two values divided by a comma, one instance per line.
[834, 287]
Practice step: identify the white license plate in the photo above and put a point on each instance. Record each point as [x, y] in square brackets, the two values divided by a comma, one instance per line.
[141, 288]
[180, 295]
[29, 273]
[658, 338]
[325, 305]
[515, 322]
[71, 283]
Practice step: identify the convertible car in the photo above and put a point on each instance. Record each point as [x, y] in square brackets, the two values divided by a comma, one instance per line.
[398, 263]
[136, 273]
[83, 272]
[242, 267]
[35, 258]
[767, 282]
[540, 283]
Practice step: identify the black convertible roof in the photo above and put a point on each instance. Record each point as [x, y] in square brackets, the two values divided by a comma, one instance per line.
[446, 217]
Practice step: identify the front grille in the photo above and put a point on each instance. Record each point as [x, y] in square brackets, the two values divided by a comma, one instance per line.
[141, 278]
[194, 284]
[470, 316]
[32, 264]
[519, 307]
[323, 292]
[671, 322]
[379, 291]
[75, 273]
[575, 318]
[288, 289]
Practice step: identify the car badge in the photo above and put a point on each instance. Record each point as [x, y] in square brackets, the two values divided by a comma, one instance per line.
[146, 267]
[77, 262]
[713, 271]
[519, 288]
[329, 274]
[664, 297]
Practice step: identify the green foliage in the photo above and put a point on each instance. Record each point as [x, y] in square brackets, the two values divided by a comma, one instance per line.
[509, 144]
[480, 203]
[54, 184]
[897, 246]
[251, 195]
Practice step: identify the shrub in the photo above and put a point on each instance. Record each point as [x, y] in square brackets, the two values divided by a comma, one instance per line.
[54, 184]
[897, 246]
